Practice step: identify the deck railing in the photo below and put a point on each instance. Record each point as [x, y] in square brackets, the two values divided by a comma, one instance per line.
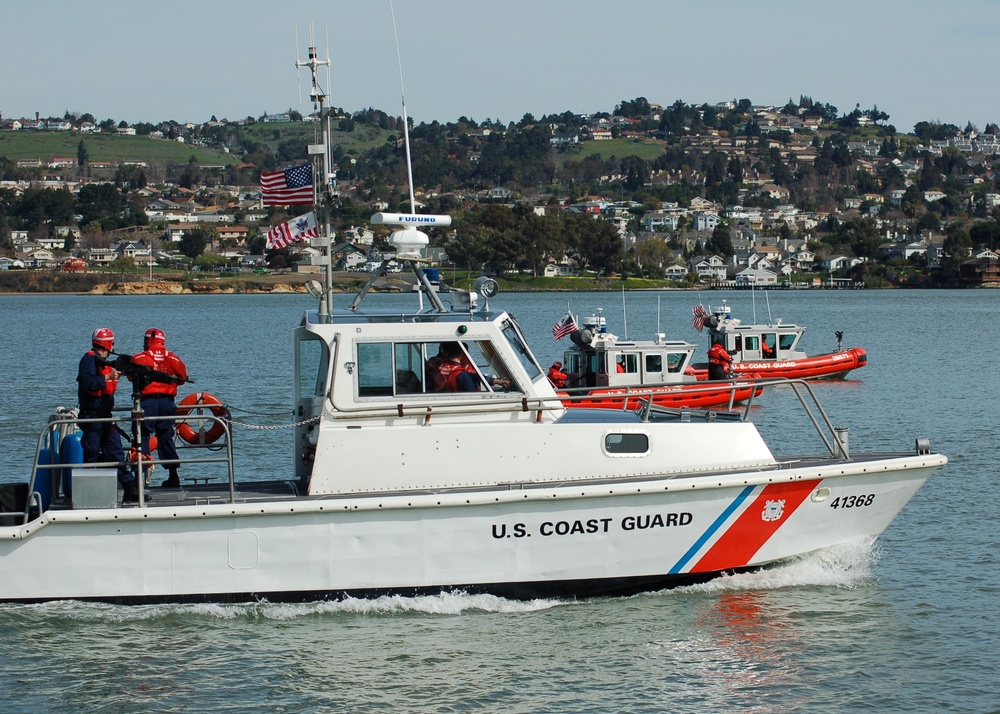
[51, 437]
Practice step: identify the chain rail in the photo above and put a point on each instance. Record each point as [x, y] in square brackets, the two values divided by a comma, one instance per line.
[262, 427]
[231, 408]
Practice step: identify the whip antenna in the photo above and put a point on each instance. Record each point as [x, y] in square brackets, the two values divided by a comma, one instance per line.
[406, 128]
[298, 77]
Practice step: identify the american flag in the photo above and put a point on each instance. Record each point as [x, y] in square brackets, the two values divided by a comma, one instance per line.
[291, 231]
[564, 327]
[700, 316]
[291, 187]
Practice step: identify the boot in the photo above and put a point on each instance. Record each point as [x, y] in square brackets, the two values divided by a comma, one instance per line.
[131, 489]
[173, 480]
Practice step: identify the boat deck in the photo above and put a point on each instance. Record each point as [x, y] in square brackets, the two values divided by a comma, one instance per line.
[195, 492]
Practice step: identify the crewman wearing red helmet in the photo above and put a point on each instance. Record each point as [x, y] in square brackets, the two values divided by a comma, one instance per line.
[719, 362]
[556, 375]
[158, 400]
[97, 382]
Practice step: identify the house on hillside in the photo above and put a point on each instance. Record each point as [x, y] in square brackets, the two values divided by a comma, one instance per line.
[709, 268]
[756, 276]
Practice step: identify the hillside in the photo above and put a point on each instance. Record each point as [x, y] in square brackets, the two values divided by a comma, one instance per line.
[46, 145]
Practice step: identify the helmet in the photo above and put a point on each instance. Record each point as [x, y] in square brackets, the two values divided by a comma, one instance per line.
[557, 365]
[103, 337]
[154, 333]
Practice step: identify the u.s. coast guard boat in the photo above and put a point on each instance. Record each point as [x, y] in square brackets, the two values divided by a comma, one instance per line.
[395, 486]
[609, 370]
[772, 350]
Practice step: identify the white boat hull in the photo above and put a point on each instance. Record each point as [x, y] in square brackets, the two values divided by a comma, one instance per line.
[578, 539]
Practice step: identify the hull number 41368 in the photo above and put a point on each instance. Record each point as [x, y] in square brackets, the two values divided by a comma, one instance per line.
[865, 499]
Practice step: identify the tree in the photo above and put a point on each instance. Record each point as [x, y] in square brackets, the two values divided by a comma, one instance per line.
[123, 264]
[81, 154]
[194, 241]
[470, 248]
[863, 236]
[636, 172]
[721, 243]
[635, 109]
[596, 243]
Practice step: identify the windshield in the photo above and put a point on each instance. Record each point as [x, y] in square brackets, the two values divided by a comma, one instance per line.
[513, 335]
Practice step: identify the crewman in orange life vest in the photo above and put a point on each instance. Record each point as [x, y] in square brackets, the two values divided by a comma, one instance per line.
[158, 400]
[450, 371]
[97, 382]
[719, 362]
[557, 376]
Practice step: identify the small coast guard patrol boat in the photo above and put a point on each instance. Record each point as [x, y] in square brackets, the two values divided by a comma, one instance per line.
[607, 370]
[772, 350]
[395, 487]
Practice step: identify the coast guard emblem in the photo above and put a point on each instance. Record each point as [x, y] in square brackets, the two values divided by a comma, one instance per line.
[773, 510]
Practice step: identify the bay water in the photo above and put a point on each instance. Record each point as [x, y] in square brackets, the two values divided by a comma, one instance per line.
[908, 624]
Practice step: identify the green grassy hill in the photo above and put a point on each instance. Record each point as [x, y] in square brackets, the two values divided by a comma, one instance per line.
[46, 145]
[354, 142]
[643, 148]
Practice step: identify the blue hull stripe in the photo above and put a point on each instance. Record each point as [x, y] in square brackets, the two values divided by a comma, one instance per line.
[712, 529]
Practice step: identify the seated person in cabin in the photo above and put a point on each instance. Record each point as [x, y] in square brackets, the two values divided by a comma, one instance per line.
[450, 371]
[767, 346]
[556, 376]
[620, 364]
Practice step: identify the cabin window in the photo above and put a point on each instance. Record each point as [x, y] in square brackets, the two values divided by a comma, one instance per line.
[487, 360]
[409, 368]
[751, 343]
[627, 363]
[524, 355]
[769, 342]
[786, 341]
[675, 361]
[626, 443]
[573, 363]
[654, 364]
[313, 358]
[375, 376]
[387, 369]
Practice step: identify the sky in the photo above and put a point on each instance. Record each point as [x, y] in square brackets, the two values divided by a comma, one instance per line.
[917, 60]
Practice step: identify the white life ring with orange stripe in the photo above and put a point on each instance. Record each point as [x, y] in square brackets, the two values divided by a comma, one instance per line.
[201, 431]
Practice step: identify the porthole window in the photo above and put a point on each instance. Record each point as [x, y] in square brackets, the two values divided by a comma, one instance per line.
[626, 443]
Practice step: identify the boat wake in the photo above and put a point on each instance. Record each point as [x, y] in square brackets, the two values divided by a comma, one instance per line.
[847, 565]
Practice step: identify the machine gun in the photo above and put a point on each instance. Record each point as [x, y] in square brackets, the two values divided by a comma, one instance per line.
[140, 375]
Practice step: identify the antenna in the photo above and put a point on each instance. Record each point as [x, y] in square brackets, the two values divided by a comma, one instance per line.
[318, 97]
[406, 123]
[298, 77]
[624, 312]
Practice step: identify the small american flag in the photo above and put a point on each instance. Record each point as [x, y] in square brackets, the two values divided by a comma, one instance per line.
[700, 316]
[291, 231]
[291, 187]
[564, 327]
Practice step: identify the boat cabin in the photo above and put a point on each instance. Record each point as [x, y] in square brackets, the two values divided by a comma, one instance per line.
[754, 343]
[599, 359]
[357, 369]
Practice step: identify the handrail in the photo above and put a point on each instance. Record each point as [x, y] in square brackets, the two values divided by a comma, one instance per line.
[833, 444]
[141, 465]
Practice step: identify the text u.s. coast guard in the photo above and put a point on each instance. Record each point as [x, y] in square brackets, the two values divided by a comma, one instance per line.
[581, 526]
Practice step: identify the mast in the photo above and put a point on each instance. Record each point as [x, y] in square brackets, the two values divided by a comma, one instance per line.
[323, 174]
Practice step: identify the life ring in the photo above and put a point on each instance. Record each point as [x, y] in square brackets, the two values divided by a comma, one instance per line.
[198, 403]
